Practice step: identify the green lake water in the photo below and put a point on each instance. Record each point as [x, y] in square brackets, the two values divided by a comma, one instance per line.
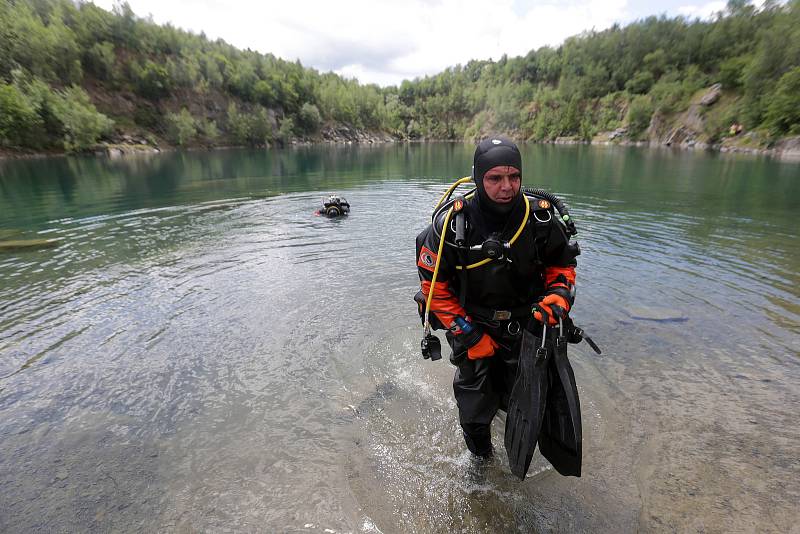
[197, 351]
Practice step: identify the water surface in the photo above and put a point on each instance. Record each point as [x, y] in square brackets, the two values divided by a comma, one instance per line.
[199, 352]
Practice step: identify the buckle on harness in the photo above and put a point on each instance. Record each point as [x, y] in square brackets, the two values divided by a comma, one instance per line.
[501, 315]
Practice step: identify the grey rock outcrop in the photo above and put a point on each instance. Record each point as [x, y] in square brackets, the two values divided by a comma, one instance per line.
[788, 148]
[347, 134]
[712, 95]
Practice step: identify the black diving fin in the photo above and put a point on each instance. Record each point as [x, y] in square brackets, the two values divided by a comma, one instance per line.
[561, 433]
[527, 402]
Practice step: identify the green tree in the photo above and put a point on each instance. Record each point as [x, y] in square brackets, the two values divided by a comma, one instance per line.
[587, 129]
[151, 80]
[208, 129]
[211, 71]
[731, 71]
[49, 130]
[264, 93]
[309, 118]
[83, 124]
[253, 128]
[286, 131]
[181, 127]
[578, 88]
[18, 117]
[101, 60]
[669, 95]
[184, 71]
[639, 114]
[656, 63]
[610, 111]
[641, 83]
[783, 110]
[238, 125]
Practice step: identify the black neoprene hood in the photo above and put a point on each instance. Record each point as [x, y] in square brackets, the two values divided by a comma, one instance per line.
[493, 152]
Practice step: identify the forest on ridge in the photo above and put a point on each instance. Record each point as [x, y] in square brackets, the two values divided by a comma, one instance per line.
[73, 75]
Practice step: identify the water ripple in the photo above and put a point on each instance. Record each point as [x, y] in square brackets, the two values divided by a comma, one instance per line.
[203, 363]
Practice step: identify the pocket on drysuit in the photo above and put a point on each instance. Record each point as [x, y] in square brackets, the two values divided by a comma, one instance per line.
[459, 352]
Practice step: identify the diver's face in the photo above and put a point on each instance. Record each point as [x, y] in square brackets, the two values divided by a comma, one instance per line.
[502, 183]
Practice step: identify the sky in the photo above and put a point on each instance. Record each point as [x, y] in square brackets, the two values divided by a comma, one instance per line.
[387, 41]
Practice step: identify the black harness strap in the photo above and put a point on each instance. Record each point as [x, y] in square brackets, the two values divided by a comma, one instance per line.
[463, 256]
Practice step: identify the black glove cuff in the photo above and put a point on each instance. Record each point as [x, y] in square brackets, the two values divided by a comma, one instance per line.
[562, 292]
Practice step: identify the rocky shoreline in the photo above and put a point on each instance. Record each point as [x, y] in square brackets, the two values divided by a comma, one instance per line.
[679, 138]
[125, 145]
[785, 149]
[685, 131]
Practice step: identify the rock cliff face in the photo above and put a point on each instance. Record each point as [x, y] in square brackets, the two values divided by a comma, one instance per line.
[685, 130]
[788, 148]
[336, 134]
[689, 129]
[345, 134]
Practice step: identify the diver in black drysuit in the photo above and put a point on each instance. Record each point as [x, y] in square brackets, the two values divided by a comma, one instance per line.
[496, 299]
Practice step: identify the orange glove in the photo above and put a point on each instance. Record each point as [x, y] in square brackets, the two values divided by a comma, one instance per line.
[484, 348]
[551, 308]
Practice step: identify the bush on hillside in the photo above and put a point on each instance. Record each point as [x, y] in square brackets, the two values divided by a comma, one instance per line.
[309, 118]
[783, 110]
[208, 129]
[101, 60]
[286, 131]
[18, 116]
[252, 128]
[639, 115]
[83, 124]
[181, 127]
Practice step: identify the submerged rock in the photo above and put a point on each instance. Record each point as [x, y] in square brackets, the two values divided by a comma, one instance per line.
[6, 233]
[648, 313]
[27, 244]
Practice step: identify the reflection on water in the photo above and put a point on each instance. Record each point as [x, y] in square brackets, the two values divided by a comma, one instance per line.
[201, 352]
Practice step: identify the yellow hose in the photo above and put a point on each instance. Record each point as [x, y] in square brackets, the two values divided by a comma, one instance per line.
[451, 189]
[436, 269]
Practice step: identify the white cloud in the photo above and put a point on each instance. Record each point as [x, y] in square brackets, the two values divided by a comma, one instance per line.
[704, 11]
[385, 41]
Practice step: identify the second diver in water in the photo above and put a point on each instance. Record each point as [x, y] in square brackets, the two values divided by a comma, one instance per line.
[334, 206]
[497, 271]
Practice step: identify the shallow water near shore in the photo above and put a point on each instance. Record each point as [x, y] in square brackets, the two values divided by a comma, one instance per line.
[200, 352]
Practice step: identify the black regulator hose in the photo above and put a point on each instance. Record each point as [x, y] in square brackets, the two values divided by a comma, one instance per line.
[559, 205]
